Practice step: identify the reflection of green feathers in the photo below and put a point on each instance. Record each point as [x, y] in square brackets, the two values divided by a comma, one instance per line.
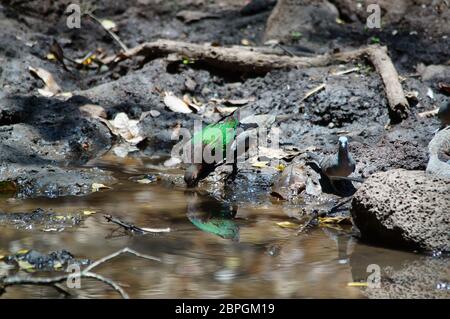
[224, 228]
[218, 135]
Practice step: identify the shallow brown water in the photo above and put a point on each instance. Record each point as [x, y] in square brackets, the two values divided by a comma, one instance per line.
[257, 258]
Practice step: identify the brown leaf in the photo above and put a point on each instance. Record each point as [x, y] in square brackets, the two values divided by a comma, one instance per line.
[444, 87]
[290, 183]
[51, 87]
[93, 110]
[176, 104]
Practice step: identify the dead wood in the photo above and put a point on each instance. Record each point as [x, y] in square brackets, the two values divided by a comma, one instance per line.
[236, 59]
[256, 61]
[398, 105]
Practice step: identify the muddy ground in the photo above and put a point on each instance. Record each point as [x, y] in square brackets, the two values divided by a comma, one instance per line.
[36, 130]
[47, 143]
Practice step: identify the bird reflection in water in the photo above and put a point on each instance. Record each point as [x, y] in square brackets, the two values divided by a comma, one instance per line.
[212, 216]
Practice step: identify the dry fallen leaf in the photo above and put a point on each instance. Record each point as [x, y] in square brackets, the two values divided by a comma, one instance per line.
[93, 110]
[25, 265]
[290, 183]
[175, 104]
[51, 57]
[260, 164]
[57, 265]
[108, 24]
[444, 87]
[124, 127]
[192, 103]
[51, 87]
[287, 225]
[245, 42]
[334, 220]
[224, 110]
[96, 187]
[88, 212]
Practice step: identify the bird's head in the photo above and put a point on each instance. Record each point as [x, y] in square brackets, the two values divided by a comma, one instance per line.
[191, 176]
[343, 142]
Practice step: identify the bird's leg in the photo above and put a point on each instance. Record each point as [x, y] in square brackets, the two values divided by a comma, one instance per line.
[234, 171]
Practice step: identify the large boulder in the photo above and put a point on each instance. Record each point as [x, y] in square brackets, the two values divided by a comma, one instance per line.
[439, 148]
[305, 17]
[408, 209]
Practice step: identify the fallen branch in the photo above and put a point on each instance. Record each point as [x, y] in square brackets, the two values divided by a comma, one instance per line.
[85, 273]
[255, 61]
[398, 105]
[235, 58]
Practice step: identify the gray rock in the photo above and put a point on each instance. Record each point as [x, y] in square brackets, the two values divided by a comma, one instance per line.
[402, 275]
[439, 148]
[304, 16]
[407, 209]
[52, 181]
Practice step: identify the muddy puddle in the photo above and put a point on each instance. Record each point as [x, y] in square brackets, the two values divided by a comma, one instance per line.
[214, 249]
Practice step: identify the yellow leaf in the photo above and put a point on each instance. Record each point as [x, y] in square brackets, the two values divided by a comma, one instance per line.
[22, 251]
[334, 220]
[88, 212]
[280, 167]
[96, 187]
[144, 181]
[108, 24]
[57, 265]
[51, 57]
[25, 265]
[260, 164]
[357, 284]
[287, 225]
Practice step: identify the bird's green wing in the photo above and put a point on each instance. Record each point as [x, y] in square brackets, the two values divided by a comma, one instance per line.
[224, 228]
[218, 135]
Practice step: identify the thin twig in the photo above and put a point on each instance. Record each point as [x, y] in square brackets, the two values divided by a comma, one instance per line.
[134, 229]
[112, 34]
[85, 273]
[107, 281]
[113, 255]
[285, 49]
[308, 223]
